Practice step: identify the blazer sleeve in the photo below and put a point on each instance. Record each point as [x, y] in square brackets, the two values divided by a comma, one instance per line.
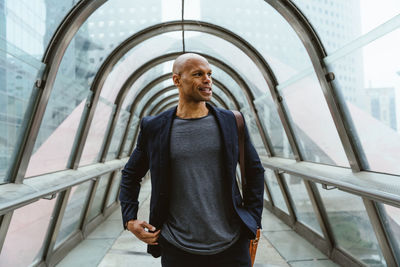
[254, 171]
[132, 174]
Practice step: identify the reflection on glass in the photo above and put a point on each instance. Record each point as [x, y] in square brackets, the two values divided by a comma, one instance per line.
[26, 233]
[391, 220]
[95, 39]
[260, 25]
[98, 200]
[28, 26]
[312, 122]
[114, 189]
[73, 212]
[270, 120]
[118, 134]
[275, 190]
[96, 135]
[16, 79]
[301, 202]
[340, 22]
[367, 90]
[351, 227]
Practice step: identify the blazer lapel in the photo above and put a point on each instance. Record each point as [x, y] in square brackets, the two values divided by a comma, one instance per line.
[164, 140]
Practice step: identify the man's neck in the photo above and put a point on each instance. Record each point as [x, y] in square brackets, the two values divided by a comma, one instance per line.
[191, 110]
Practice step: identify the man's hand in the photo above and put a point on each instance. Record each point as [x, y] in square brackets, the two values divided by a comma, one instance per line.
[138, 228]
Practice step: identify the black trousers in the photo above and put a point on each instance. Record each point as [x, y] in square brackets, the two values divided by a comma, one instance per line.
[236, 255]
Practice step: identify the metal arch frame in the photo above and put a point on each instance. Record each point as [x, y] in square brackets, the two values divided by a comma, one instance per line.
[344, 124]
[316, 52]
[217, 98]
[166, 107]
[122, 93]
[148, 87]
[44, 85]
[149, 32]
[234, 75]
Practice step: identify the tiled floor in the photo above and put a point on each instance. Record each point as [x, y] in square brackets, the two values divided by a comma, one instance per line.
[109, 245]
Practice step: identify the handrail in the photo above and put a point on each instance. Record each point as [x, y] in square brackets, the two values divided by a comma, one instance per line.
[375, 186]
[13, 196]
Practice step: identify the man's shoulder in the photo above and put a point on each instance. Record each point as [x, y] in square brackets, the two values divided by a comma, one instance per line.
[150, 121]
[223, 112]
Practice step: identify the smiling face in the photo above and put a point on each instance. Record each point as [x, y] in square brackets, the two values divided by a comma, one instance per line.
[193, 78]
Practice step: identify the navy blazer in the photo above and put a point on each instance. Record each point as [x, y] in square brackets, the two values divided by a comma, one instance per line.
[152, 152]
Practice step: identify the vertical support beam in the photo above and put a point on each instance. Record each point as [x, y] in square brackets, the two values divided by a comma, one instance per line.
[320, 213]
[54, 227]
[4, 224]
[286, 196]
[314, 48]
[108, 136]
[89, 202]
[380, 232]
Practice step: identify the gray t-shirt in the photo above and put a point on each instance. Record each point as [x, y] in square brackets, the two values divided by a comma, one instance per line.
[201, 217]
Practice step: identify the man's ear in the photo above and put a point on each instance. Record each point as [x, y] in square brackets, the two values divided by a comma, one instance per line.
[176, 78]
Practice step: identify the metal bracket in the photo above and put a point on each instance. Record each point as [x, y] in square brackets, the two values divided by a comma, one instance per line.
[328, 187]
[50, 197]
[330, 76]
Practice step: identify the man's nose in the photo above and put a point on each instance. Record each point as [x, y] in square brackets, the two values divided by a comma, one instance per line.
[207, 79]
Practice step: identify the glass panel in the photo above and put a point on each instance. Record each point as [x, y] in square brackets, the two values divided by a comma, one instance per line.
[391, 219]
[17, 77]
[301, 202]
[26, 233]
[73, 213]
[312, 122]
[97, 131]
[118, 134]
[151, 93]
[367, 81]
[114, 189]
[254, 132]
[275, 190]
[270, 120]
[223, 50]
[339, 22]
[351, 227]
[157, 46]
[98, 200]
[260, 25]
[29, 25]
[82, 59]
[143, 81]
[159, 103]
[233, 87]
[218, 92]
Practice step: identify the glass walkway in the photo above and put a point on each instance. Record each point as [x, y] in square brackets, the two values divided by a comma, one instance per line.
[318, 82]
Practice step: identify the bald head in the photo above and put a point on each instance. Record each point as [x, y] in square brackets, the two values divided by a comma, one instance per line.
[185, 59]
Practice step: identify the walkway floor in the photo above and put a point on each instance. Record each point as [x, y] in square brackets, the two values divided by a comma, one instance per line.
[108, 245]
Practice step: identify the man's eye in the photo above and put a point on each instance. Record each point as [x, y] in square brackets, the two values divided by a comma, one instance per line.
[209, 74]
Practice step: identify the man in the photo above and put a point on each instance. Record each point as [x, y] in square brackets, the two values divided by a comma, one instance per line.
[197, 215]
